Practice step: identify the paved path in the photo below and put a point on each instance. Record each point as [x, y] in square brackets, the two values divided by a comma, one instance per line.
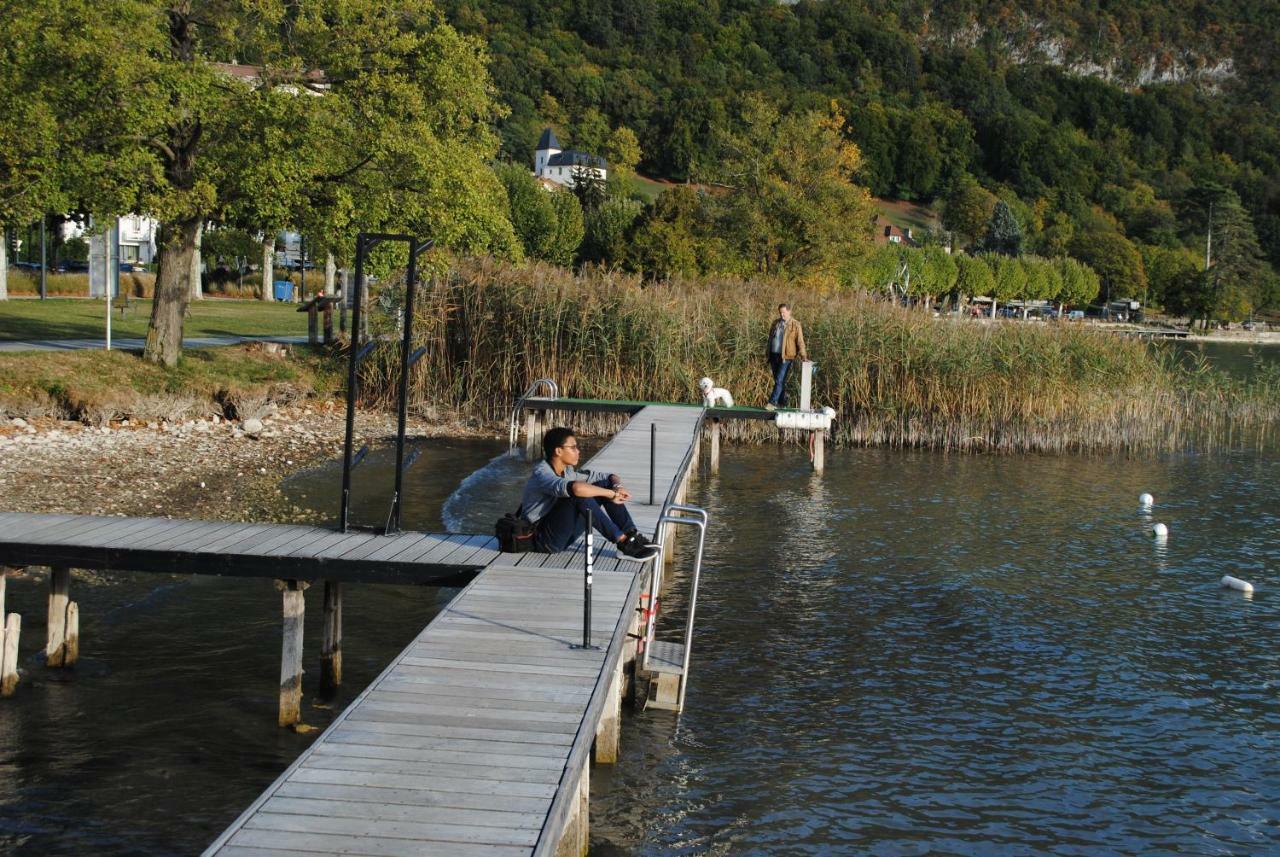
[134, 344]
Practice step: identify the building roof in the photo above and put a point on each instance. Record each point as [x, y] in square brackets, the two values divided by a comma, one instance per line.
[548, 140]
[886, 232]
[574, 158]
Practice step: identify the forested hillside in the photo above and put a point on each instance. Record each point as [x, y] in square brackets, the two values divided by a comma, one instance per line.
[1113, 131]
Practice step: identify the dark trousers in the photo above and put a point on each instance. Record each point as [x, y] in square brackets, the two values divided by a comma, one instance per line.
[779, 368]
[565, 522]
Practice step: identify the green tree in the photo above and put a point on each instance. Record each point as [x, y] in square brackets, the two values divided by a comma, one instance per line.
[1003, 233]
[372, 114]
[967, 208]
[529, 208]
[667, 241]
[1115, 259]
[569, 228]
[1010, 279]
[1080, 283]
[794, 207]
[974, 276]
[608, 228]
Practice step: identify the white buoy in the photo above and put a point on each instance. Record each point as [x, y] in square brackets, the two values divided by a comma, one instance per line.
[1237, 584]
[1146, 500]
[1160, 531]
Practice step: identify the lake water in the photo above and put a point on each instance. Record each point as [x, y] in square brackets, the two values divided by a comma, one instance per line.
[914, 653]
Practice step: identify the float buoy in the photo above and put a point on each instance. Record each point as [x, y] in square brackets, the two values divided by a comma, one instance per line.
[1160, 531]
[1237, 584]
[1146, 500]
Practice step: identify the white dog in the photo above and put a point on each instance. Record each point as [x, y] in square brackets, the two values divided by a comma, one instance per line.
[713, 396]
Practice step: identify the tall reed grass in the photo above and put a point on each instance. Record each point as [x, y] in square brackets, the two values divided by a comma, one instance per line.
[895, 376]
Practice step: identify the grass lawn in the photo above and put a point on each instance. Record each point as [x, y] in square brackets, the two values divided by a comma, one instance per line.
[78, 318]
[904, 214]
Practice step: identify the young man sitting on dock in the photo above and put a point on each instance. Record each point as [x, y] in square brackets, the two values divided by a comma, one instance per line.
[557, 496]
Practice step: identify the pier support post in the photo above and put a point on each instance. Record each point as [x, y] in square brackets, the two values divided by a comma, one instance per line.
[71, 645]
[575, 838]
[291, 651]
[607, 733]
[818, 457]
[9, 655]
[331, 648]
[55, 649]
[530, 435]
[10, 630]
[715, 447]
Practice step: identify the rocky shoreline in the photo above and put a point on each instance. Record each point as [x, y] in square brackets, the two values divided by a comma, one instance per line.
[213, 469]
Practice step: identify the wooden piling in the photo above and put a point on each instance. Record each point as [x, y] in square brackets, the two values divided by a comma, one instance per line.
[818, 456]
[10, 630]
[9, 655]
[331, 648]
[71, 644]
[55, 649]
[291, 651]
[530, 433]
[575, 838]
[608, 729]
[715, 447]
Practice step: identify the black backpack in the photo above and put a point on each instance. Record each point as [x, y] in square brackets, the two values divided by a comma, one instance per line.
[514, 532]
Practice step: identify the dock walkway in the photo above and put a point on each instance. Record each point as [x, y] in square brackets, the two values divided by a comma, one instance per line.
[476, 738]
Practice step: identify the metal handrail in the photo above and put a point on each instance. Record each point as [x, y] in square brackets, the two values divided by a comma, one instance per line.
[524, 397]
[700, 521]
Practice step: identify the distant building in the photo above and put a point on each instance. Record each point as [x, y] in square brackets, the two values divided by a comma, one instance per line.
[551, 163]
[887, 233]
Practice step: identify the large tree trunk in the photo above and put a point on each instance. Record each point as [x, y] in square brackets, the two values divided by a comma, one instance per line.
[330, 274]
[173, 291]
[197, 286]
[268, 261]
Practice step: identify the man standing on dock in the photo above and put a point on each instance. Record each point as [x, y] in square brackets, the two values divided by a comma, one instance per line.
[557, 496]
[786, 344]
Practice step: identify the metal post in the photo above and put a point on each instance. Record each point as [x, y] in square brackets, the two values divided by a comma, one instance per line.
[588, 569]
[302, 266]
[406, 347]
[653, 457]
[354, 347]
[44, 264]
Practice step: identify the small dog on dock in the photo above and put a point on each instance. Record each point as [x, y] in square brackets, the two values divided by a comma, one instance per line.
[713, 396]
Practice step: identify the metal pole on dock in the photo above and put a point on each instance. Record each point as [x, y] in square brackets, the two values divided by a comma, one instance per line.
[402, 409]
[653, 457]
[357, 294]
[588, 569]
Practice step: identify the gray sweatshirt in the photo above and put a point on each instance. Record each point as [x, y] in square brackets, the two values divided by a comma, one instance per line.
[544, 488]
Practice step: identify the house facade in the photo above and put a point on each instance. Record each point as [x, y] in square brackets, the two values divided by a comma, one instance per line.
[553, 164]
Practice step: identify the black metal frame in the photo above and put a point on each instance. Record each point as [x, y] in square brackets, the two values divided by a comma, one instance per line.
[365, 242]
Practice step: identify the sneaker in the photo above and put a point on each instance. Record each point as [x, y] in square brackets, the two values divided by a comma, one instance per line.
[771, 407]
[634, 548]
[640, 537]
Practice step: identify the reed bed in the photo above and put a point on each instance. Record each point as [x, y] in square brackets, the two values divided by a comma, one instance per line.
[895, 376]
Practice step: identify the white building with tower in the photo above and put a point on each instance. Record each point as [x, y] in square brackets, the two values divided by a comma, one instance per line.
[551, 163]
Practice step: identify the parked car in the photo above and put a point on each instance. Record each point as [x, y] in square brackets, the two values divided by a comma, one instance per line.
[1075, 315]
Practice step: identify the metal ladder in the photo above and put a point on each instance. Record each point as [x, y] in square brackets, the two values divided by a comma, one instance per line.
[667, 663]
[519, 406]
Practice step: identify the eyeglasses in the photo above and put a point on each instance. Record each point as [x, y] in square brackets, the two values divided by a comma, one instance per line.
[566, 446]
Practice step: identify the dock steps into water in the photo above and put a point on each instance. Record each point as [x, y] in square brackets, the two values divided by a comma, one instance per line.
[666, 658]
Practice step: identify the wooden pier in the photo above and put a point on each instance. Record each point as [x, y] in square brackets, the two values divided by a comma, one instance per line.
[477, 738]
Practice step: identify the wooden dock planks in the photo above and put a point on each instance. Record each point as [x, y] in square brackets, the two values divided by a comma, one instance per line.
[471, 740]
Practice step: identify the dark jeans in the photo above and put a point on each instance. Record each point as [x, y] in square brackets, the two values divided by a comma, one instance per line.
[779, 368]
[564, 522]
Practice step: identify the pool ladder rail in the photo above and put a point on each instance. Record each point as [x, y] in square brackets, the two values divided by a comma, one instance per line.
[554, 390]
[667, 663]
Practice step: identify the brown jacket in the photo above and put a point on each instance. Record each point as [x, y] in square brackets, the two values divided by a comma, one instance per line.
[792, 341]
